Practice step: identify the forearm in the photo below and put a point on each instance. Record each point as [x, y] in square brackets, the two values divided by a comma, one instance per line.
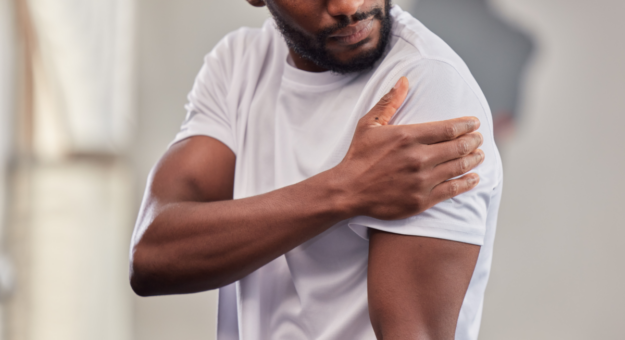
[194, 246]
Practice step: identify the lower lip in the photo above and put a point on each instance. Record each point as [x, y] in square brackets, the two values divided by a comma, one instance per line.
[356, 37]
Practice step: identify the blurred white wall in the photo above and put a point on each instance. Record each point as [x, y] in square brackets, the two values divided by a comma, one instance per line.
[559, 263]
[83, 79]
[75, 284]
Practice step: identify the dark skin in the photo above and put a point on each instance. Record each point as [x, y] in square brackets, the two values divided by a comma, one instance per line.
[312, 16]
[191, 236]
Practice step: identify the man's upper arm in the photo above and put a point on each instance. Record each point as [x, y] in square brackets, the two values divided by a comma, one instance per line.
[196, 169]
[420, 267]
[416, 285]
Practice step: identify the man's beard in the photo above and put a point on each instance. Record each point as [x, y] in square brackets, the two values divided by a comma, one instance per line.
[314, 49]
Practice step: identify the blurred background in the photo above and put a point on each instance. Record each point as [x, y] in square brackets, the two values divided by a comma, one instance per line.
[92, 92]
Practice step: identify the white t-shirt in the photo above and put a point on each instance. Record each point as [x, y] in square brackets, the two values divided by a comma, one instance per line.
[286, 125]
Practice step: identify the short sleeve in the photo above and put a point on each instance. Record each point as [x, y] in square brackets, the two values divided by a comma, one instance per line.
[207, 109]
[438, 91]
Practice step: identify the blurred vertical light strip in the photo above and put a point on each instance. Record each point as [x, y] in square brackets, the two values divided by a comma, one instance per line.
[71, 198]
[85, 74]
[7, 107]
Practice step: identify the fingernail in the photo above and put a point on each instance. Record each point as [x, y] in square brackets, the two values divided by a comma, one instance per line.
[476, 123]
[397, 83]
[473, 180]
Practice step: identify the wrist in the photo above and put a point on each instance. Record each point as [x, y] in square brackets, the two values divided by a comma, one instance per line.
[336, 186]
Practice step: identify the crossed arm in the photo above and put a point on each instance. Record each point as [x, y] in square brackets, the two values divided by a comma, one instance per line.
[192, 236]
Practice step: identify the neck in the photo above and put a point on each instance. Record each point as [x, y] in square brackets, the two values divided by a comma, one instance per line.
[305, 64]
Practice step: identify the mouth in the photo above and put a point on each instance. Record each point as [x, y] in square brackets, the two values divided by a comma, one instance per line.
[353, 34]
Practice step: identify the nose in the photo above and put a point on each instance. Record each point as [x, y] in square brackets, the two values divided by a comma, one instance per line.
[344, 7]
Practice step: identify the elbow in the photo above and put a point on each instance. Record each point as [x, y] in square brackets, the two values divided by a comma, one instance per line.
[139, 286]
[152, 273]
[141, 277]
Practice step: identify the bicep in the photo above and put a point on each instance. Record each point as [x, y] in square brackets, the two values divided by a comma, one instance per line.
[416, 285]
[196, 169]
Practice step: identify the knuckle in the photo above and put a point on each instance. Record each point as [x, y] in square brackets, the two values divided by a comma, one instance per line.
[463, 147]
[419, 164]
[425, 158]
[451, 131]
[420, 181]
[418, 201]
[363, 121]
[415, 163]
[404, 138]
[385, 100]
[454, 188]
[464, 165]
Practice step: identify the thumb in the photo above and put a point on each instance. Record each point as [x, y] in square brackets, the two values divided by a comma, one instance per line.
[384, 110]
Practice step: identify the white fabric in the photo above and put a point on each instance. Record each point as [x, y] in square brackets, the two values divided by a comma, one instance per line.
[285, 125]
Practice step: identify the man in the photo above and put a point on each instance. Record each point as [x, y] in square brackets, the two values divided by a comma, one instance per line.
[320, 210]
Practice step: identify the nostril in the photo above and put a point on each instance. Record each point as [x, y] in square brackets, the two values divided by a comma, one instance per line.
[345, 8]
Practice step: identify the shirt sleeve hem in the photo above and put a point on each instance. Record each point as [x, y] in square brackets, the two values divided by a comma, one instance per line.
[213, 133]
[459, 233]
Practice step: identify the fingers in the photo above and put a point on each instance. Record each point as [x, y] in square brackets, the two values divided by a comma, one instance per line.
[453, 188]
[460, 147]
[441, 131]
[457, 167]
[384, 110]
